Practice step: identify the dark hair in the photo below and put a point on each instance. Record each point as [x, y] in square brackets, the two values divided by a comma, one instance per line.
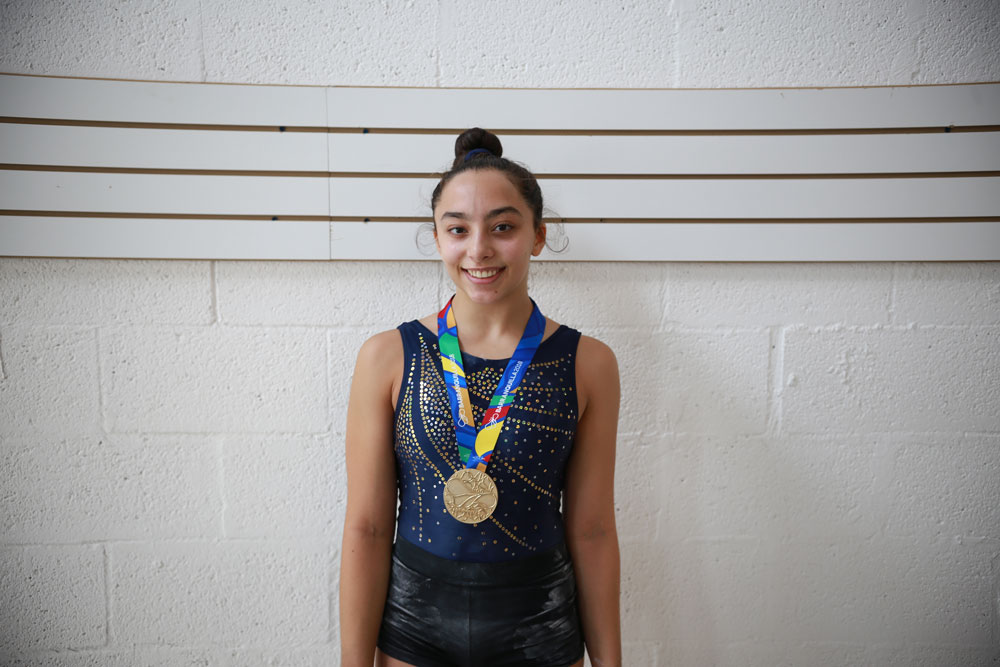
[490, 157]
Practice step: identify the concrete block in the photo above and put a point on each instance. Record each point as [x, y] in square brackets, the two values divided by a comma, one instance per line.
[923, 655]
[110, 488]
[734, 44]
[912, 380]
[641, 653]
[958, 38]
[649, 488]
[768, 488]
[307, 656]
[96, 658]
[595, 44]
[343, 351]
[54, 598]
[763, 652]
[762, 294]
[339, 294]
[673, 592]
[790, 653]
[587, 295]
[947, 293]
[711, 381]
[175, 656]
[188, 379]
[218, 594]
[49, 381]
[885, 590]
[321, 43]
[942, 486]
[284, 486]
[141, 40]
[101, 292]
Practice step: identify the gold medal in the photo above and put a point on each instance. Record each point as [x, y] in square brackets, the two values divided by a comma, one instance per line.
[470, 495]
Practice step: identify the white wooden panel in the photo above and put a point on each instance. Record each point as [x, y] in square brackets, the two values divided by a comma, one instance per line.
[778, 109]
[151, 238]
[152, 102]
[701, 198]
[153, 193]
[803, 154]
[161, 149]
[381, 240]
[712, 242]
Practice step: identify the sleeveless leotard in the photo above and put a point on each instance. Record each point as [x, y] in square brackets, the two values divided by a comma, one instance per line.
[528, 464]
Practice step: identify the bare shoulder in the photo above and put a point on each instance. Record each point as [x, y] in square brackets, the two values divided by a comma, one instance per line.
[383, 343]
[378, 371]
[596, 373]
[380, 360]
[595, 358]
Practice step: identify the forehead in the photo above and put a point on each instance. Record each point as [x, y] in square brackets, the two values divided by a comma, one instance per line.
[480, 191]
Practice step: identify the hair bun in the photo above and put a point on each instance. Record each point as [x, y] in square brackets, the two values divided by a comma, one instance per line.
[474, 138]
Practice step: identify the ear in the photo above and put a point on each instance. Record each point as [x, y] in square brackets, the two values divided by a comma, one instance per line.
[539, 240]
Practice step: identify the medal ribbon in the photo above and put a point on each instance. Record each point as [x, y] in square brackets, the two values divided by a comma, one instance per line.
[475, 449]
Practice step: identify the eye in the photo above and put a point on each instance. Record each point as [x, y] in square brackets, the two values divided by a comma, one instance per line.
[455, 230]
[503, 227]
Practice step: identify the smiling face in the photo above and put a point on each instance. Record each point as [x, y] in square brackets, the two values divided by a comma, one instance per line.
[485, 233]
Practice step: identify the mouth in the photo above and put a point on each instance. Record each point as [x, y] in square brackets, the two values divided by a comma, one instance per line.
[483, 275]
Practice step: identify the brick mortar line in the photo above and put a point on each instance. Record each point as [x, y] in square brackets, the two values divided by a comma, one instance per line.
[893, 284]
[214, 285]
[670, 329]
[260, 541]
[204, 434]
[3, 368]
[101, 417]
[818, 437]
[329, 390]
[776, 380]
[108, 598]
[221, 474]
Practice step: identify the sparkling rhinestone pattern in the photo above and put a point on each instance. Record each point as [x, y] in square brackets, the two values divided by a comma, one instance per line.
[527, 466]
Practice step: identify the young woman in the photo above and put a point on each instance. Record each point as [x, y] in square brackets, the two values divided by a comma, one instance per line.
[505, 549]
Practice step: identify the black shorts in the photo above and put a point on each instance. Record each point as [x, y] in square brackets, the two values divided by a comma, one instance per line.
[445, 613]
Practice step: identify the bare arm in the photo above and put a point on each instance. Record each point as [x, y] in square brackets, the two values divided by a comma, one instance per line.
[591, 534]
[369, 523]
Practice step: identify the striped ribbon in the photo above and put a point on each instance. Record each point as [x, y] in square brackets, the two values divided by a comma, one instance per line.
[476, 448]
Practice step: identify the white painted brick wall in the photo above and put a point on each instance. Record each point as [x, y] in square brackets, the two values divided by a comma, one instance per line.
[50, 381]
[809, 467]
[901, 379]
[54, 597]
[214, 379]
[111, 487]
[240, 593]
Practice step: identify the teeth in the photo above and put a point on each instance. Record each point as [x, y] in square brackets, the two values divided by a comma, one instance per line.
[483, 273]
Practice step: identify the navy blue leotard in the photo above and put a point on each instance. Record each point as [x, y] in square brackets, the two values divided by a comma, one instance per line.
[528, 464]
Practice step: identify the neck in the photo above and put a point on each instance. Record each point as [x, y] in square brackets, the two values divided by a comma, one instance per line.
[483, 324]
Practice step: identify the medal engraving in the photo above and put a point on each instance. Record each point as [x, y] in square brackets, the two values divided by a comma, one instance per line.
[470, 495]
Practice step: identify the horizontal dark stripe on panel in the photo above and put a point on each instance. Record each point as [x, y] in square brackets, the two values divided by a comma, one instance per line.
[16, 120]
[937, 129]
[861, 221]
[162, 172]
[378, 219]
[164, 216]
[432, 175]
[526, 132]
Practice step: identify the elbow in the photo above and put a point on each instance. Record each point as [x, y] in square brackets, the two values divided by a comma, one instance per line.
[368, 530]
[591, 532]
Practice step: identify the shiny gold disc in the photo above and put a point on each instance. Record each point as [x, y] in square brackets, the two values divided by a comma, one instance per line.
[470, 495]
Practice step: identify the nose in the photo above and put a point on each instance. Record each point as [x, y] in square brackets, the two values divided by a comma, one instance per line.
[481, 247]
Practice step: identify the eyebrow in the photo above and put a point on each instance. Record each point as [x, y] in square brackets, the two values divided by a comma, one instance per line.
[503, 210]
